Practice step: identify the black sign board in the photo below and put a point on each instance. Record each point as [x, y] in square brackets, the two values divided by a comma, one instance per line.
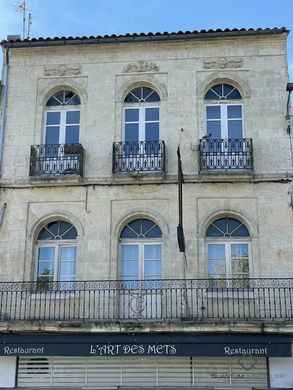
[179, 344]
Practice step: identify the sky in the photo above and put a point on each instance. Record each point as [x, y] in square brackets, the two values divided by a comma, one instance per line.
[56, 18]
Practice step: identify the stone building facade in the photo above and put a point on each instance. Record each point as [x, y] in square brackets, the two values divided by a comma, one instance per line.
[94, 291]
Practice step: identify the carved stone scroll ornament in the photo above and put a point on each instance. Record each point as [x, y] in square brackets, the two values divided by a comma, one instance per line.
[223, 63]
[141, 66]
[63, 70]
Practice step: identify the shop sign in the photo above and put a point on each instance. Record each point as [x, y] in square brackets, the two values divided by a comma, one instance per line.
[141, 345]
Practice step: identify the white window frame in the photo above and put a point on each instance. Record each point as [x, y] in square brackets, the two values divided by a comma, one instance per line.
[62, 126]
[57, 262]
[228, 263]
[224, 116]
[141, 260]
[141, 118]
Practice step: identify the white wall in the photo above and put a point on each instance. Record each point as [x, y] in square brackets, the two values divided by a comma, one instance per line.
[7, 371]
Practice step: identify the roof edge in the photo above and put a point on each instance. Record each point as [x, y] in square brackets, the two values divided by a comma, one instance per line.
[143, 37]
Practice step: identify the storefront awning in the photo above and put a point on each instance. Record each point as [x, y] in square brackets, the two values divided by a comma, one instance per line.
[155, 344]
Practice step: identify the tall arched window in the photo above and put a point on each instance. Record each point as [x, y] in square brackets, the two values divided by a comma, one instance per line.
[62, 119]
[141, 149]
[142, 115]
[56, 252]
[141, 250]
[224, 112]
[228, 249]
[224, 146]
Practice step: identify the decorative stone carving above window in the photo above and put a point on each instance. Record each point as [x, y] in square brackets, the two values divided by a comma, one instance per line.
[141, 66]
[223, 63]
[63, 70]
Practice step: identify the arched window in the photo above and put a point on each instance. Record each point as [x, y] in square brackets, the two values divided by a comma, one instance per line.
[56, 252]
[141, 250]
[228, 249]
[224, 112]
[62, 119]
[142, 115]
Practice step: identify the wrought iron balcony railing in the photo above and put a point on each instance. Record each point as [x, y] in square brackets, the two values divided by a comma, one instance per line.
[160, 300]
[139, 156]
[59, 159]
[234, 153]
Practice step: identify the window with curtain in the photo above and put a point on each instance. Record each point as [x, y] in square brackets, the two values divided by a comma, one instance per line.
[224, 112]
[141, 250]
[142, 115]
[62, 118]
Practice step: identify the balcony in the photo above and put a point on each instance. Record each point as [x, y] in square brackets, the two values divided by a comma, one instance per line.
[140, 156]
[168, 300]
[225, 154]
[59, 159]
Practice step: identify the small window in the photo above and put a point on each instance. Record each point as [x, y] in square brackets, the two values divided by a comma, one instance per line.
[227, 227]
[142, 95]
[222, 92]
[63, 98]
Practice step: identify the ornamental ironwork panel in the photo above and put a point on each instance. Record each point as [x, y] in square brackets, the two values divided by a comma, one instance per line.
[138, 156]
[164, 300]
[57, 159]
[234, 153]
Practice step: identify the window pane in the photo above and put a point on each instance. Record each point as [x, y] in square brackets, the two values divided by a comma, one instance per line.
[45, 235]
[240, 267]
[212, 231]
[239, 250]
[152, 252]
[68, 253]
[235, 129]
[67, 269]
[71, 97]
[52, 135]
[67, 231]
[129, 268]
[132, 115]
[211, 95]
[152, 268]
[227, 225]
[216, 260]
[129, 252]
[131, 132]
[214, 129]
[217, 268]
[241, 232]
[232, 95]
[234, 112]
[213, 112]
[72, 135]
[152, 132]
[72, 117]
[134, 96]
[53, 118]
[46, 253]
[152, 114]
[53, 102]
[216, 251]
[150, 95]
[150, 229]
[45, 268]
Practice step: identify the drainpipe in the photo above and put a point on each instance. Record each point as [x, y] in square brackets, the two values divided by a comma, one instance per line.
[288, 118]
[4, 106]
